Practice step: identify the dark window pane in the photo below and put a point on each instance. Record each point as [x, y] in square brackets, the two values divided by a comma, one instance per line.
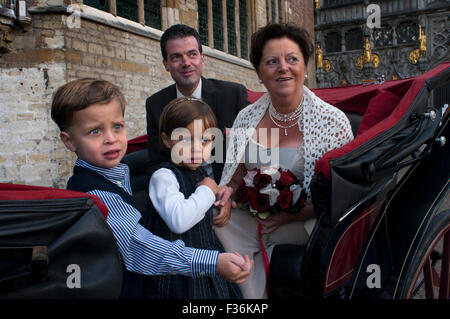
[98, 4]
[231, 27]
[127, 9]
[243, 28]
[382, 36]
[273, 12]
[152, 13]
[353, 39]
[203, 20]
[407, 32]
[329, 3]
[280, 12]
[333, 42]
[217, 24]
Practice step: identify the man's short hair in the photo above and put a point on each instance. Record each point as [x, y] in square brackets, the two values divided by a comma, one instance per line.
[78, 95]
[179, 31]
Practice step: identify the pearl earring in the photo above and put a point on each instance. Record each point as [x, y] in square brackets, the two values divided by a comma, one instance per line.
[306, 76]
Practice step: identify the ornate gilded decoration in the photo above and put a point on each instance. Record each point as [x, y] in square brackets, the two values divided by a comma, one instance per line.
[319, 57]
[367, 57]
[375, 60]
[326, 65]
[414, 56]
[422, 41]
[360, 62]
[317, 4]
[366, 54]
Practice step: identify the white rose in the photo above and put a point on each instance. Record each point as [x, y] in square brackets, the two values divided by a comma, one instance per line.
[296, 191]
[272, 192]
[272, 172]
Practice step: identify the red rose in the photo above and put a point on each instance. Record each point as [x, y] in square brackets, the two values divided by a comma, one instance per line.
[262, 180]
[284, 199]
[244, 193]
[260, 202]
[287, 178]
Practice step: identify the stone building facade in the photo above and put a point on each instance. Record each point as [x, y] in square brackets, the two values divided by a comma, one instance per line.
[46, 43]
[404, 38]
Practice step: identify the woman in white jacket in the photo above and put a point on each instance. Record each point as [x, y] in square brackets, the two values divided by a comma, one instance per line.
[289, 127]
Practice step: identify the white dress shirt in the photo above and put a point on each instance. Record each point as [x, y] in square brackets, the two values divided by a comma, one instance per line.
[179, 213]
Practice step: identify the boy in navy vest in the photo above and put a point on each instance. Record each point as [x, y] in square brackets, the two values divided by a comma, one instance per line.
[90, 116]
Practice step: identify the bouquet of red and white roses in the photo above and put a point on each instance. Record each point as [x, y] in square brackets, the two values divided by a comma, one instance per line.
[268, 191]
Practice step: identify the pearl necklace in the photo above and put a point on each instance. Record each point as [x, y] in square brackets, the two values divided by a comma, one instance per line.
[286, 117]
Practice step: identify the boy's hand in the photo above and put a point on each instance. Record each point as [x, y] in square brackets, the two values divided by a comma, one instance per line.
[234, 268]
[207, 181]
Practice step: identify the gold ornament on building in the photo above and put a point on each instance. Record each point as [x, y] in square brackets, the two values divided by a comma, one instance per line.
[422, 41]
[319, 57]
[375, 60]
[367, 56]
[415, 54]
[317, 4]
[326, 65]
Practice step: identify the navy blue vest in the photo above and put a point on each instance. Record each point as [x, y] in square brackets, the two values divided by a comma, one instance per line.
[85, 180]
[201, 236]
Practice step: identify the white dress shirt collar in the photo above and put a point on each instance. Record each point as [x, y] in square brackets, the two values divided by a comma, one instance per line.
[197, 92]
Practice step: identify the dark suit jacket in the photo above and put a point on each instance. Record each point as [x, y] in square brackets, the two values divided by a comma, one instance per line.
[226, 99]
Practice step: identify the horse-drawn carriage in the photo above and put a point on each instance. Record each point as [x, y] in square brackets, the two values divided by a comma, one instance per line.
[380, 232]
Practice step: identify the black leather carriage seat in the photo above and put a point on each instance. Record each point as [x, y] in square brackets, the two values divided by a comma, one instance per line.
[355, 121]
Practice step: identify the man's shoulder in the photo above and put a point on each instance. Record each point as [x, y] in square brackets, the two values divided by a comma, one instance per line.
[223, 83]
[163, 93]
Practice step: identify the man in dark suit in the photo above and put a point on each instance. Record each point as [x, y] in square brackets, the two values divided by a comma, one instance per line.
[183, 58]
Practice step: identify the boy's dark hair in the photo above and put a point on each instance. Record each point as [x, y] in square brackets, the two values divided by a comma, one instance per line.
[278, 31]
[182, 111]
[178, 31]
[78, 95]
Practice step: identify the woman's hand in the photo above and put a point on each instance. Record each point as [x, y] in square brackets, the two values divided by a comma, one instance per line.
[224, 204]
[224, 215]
[274, 221]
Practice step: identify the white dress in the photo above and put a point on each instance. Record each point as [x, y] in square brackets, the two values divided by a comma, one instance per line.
[241, 232]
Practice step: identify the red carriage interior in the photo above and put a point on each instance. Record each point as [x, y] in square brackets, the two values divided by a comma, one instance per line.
[18, 192]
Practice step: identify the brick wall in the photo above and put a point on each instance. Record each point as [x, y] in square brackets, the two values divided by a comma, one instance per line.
[47, 54]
